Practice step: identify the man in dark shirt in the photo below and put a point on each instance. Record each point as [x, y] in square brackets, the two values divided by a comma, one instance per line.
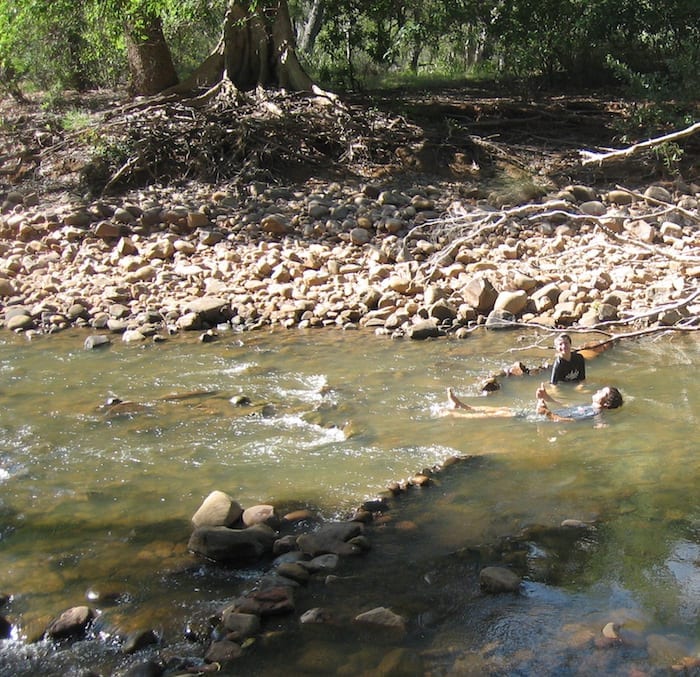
[569, 366]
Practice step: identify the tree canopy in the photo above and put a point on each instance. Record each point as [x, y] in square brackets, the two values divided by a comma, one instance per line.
[47, 44]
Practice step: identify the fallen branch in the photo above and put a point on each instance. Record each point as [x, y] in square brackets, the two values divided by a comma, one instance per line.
[654, 311]
[463, 227]
[599, 222]
[590, 157]
[670, 207]
[604, 345]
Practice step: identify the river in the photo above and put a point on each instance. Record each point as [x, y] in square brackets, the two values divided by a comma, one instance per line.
[95, 502]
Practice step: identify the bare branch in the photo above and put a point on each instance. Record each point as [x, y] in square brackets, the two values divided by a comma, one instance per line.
[670, 207]
[599, 222]
[590, 157]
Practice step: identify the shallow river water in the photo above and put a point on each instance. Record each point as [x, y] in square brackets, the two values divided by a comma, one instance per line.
[93, 502]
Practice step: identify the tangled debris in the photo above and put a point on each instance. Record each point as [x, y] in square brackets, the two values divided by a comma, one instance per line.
[276, 136]
[260, 135]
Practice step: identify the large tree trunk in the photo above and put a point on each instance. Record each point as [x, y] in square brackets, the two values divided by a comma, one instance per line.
[256, 49]
[150, 62]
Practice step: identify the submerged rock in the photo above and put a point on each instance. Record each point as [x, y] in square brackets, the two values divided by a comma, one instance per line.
[499, 579]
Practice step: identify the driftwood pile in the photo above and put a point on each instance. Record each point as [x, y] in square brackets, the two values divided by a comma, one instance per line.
[233, 138]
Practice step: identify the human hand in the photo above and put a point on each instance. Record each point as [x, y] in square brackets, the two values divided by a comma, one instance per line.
[542, 393]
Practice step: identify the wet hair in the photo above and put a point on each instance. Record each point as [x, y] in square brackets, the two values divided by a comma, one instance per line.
[613, 399]
[562, 337]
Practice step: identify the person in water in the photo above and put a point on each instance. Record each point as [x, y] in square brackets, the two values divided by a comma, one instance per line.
[608, 397]
[569, 365]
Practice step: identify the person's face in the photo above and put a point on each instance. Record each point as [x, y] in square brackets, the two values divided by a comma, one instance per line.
[563, 347]
[600, 396]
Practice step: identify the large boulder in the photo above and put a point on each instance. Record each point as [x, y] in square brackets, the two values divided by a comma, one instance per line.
[240, 625]
[499, 579]
[272, 601]
[232, 546]
[480, 295]
[217, 510]
[223, 651]
[331, 539]
[425, 330]
[210, 309]
[513, 302]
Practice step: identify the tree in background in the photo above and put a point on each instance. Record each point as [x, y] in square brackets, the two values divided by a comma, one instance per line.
[346, 43]
[45, 42]
[62, 44]
[307, 19]
[151, 65]
[256, 49]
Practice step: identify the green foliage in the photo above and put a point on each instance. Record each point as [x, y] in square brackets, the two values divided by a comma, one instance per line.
[61, 44]
[670, 155]
[362, 42]
[656, 104]
[653, 48]
[75, 119]
[192, 30]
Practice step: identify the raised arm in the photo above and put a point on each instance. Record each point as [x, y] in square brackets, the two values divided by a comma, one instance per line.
[544, 396]
[544, 410]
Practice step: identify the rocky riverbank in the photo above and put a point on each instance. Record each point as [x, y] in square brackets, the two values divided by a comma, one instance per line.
[406, 255]
[295, 555]
[406, 259]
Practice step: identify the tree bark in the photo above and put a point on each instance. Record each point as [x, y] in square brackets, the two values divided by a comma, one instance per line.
[256, 49]
[312, 27]
[150, 62]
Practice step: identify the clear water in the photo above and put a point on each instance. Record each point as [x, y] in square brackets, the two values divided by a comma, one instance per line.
[94, 501]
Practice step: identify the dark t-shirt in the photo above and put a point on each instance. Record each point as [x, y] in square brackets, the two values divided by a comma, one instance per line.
[572, 371]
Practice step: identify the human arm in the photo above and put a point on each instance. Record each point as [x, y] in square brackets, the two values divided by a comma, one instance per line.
[544, 410]
[543, 396]
[554, 376]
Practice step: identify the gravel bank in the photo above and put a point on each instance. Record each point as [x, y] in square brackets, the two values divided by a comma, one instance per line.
[408, 260]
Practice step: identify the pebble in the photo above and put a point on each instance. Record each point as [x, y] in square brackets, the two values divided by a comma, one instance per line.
[344, 256]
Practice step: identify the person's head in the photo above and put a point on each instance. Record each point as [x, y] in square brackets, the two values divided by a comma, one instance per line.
[562, 344]
[608, 398]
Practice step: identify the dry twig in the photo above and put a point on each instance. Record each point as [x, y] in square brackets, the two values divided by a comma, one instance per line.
[590, 157]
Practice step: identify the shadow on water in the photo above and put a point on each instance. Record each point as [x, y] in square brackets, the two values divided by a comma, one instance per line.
[602, 524]
[553, 627]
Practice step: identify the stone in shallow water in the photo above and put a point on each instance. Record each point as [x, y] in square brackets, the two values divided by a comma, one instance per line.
[139, 640]
[71, 623]
[96, 341]
[217, 509]
[235, 546]
[381, 617]
[499, 579]
[425, 330]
